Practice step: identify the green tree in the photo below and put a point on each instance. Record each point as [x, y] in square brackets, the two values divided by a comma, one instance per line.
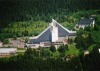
[96, 27]
[36, 53]
[90, 39]
[52, 48]
[14, 37]
[62, 49]
[26, 40]
[29, 51]
[6, 41]
[66, 46]
[45, 53]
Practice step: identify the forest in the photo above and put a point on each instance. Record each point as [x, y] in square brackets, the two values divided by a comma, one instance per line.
[42, 59]
[32, 61]
[24, 18]
[30, 17]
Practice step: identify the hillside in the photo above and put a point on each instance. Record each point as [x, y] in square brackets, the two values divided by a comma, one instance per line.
[20, 19]
[30, 17]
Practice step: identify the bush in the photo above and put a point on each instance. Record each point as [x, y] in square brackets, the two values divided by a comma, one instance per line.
[61, 49]
[14, 37]
[66, 47]
[5, 41]
[45, 53]
[29, 51]
[26, 40]
[52, 48]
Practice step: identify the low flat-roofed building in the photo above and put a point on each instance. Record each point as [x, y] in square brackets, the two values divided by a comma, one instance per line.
[8, 51]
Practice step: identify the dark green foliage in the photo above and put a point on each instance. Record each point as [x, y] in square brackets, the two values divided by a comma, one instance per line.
[89, 28]
[5, 41]
[4, 36]
[28, 57]
[18, 15]
[87, 37]
[23, 10]
[20, 18]
[70, 41]
[90, 39]
[76, 64]
[15, 37]
[31, 52]
[36, 53]
[52, 48]
[96, 27]
[28, 51]
[82, 62]
[66, 46]
[62, 49]
[91, 62]
[26, 40]
[45, 53]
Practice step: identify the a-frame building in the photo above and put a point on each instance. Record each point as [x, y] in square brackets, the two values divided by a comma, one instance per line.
[55, 34]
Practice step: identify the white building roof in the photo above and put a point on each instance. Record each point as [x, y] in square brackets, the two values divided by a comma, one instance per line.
[8, 50]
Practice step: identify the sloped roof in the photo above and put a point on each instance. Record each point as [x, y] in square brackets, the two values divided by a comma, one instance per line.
[46, 34]
[85, 21]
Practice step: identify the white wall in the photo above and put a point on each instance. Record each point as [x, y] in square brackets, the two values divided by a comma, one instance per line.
[7, 51]
[54, 34]
[54, 31]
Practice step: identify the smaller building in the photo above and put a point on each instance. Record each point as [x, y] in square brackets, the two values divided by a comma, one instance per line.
[7, 51]
[1, 44]
[85, 22]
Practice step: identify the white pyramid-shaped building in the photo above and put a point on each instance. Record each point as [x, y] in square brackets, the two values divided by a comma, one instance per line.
[55, 34]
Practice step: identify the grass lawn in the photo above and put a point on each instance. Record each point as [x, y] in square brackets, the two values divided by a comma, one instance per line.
[21, 49]
[20, 53]
[72, 50]
[56, 54]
